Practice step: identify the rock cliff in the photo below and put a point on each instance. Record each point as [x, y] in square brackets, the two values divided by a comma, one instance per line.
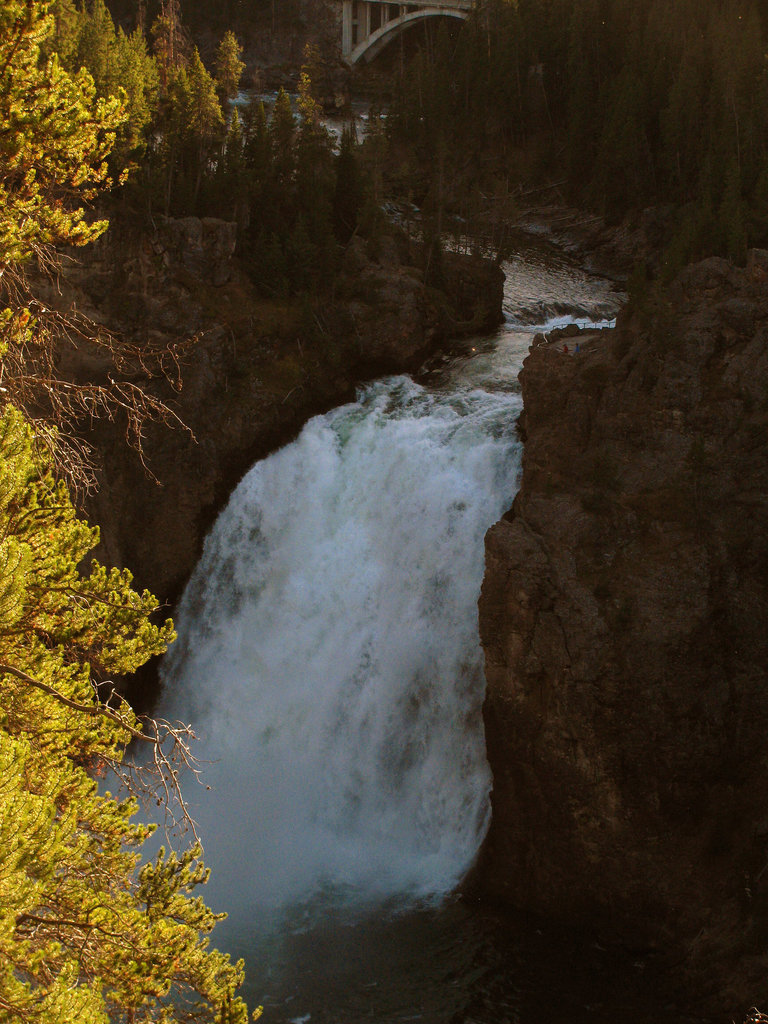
[624, 619]
[253, 373]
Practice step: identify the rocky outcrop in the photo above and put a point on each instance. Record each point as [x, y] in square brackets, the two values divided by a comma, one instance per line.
[253, 372]
[624, 619]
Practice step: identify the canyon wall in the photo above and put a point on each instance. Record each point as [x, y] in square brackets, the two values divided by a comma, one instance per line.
[624, 619]
[253, 370]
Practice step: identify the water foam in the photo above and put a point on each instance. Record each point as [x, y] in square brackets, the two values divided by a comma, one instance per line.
[328, 654]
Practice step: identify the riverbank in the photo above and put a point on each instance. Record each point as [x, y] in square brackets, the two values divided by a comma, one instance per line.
[624, 617]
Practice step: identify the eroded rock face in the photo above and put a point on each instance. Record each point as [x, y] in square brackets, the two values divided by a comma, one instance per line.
[255, 372]
[624, 618]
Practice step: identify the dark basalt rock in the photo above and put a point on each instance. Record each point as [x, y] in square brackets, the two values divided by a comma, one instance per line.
[624, 619]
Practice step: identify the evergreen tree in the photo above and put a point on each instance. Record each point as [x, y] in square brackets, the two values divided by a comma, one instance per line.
[96, 47]
[119, 65]
[53, 159]
[192, 126]
[348, 191]
[228, 66]
[86, 934]
[66, 33]
[231, 184]
[205, 124]
[234, 156]
[170, 40]
[258, 149]
[55, 140]
[136, 72]
[371, 159]
[282, 130]
[174, 122]
[633, 104]
[314, 177]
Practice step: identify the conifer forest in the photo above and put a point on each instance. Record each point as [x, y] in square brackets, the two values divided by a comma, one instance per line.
[118, 115]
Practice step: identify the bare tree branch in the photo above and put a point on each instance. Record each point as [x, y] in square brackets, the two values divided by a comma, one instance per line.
[62, 407]
[156, 782]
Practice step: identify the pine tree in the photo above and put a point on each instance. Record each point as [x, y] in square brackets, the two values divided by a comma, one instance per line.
[314, 177]
[348, 192]
[66, 34]
[282, 130]
[55, 140]
[234, 156]
[96, 47]
[228, 66]
[136, 71]
[205, 124]
[373, 154]
[231, 186]
[84, 935]
[174, 125]
[192, 134]
[257, 154]
[170, 39]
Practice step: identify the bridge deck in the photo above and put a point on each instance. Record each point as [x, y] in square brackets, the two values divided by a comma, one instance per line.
[368, 24]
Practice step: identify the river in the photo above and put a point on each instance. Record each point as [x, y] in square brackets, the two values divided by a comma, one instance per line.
[328, 658]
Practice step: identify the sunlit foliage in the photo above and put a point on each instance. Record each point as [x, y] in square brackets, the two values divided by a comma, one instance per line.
[86, 934]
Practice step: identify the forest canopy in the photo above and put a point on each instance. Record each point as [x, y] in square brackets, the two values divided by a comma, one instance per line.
[623, 106]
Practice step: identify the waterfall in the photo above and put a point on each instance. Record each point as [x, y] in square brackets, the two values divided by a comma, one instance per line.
[328, 655]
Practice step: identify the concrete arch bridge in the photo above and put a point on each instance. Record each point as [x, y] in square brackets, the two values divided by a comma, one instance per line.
[368, 25]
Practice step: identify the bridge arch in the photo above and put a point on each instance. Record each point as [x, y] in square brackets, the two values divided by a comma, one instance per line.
[362, 44]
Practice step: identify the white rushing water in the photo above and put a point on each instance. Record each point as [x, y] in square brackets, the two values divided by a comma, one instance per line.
[328, 654]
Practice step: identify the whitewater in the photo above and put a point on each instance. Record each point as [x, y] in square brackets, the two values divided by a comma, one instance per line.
[329, 653]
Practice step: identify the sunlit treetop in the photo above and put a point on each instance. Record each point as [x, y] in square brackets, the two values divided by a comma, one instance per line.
[55, 136]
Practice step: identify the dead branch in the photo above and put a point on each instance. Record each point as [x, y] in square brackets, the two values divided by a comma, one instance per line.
[63, 408]
[154, 782]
